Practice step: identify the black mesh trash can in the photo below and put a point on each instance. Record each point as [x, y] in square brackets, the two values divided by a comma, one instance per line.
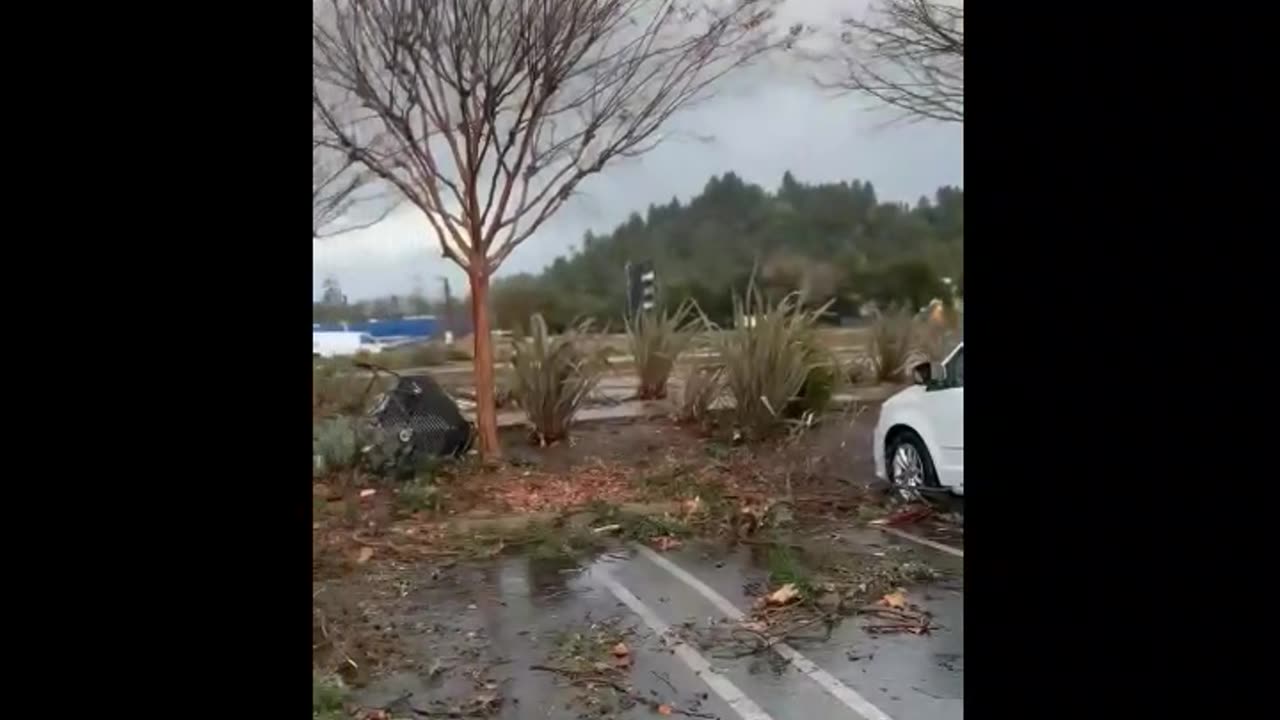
[419, 412]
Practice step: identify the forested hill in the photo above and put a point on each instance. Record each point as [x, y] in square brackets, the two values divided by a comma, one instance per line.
[831, 240]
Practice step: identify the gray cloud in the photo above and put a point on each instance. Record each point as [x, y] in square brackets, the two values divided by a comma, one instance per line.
[770, 120]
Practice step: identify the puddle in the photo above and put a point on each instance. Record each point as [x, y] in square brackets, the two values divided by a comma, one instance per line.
[475, 630]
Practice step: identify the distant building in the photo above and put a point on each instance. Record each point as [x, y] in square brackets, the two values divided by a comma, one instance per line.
[417, 327]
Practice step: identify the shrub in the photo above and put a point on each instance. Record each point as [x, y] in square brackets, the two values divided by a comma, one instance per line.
[553, 377]
[819, 387]
[860, 370]
[337, 389]
[656, 340]
[427, 354]
[893, 344]
[328, 695]
[768, 355]
[702, 386]
[419, 495]
[335, 445]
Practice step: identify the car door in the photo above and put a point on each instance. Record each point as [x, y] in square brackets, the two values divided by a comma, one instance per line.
[945, 407]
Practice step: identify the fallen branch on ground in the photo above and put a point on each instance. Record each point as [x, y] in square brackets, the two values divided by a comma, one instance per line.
[580, 678]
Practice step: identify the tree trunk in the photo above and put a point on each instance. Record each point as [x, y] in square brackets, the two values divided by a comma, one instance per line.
[486, 412]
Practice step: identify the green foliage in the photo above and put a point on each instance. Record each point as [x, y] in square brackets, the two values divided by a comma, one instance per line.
[832, 240]
[703, 385]
[335, 444]
[656, 340]
[768, 355]
[785, 568]
[559, 542]
[553, 377]
[419, 495]
[910, 282]
[328, 694]
[643, 528]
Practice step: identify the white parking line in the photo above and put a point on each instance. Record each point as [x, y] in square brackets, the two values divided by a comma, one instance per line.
[721, 685]
[923, 541]
[837, 689]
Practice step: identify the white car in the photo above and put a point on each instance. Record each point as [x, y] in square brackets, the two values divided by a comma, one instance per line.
[335, 344]
[919, 439]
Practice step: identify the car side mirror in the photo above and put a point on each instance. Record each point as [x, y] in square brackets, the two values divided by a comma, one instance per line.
[922, 373]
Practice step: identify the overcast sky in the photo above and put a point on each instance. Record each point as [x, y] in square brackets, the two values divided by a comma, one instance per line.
[768, 121]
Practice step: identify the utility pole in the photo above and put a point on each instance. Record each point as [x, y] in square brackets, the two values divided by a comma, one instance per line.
[448, 306]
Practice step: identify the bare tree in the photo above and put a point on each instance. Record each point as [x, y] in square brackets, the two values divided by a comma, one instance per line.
[336, 184]
[908, 54]
[487, 114]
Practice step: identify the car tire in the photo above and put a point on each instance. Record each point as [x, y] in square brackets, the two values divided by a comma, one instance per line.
[900, 473]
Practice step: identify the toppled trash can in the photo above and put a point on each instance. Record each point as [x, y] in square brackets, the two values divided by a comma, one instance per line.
[420, 416]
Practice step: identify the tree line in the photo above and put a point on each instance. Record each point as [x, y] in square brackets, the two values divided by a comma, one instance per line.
[829, 241]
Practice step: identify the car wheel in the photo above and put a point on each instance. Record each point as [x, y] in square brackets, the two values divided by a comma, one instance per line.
[909, 466]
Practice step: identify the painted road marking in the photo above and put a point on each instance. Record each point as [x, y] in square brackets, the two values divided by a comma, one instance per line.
[721, 685]
[923, 541]
[837, 689]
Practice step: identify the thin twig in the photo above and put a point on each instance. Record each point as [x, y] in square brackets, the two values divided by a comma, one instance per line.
[663, 677]
[577, 678]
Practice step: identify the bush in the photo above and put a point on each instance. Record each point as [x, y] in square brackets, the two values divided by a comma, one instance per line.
[337, 389]
[419, 495]
[819, 387]
[702, 386]
[328, 695]
[860, 370]
[893, 344]
[656, 341]
[427, 354]
[768, 355]
[335, 445]
[553, 377]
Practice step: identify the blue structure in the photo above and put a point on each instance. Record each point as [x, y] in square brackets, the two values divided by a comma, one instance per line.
[419, 327]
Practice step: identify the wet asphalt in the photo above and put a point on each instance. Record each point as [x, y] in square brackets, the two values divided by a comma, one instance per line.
[484, 625]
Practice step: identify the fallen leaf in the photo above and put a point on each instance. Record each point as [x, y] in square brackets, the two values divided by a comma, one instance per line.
[783, 595]
[755, 626]
[621, 650]
[367, 492]
[896, 599]
[694, 506]
[664, 709]
[623, 661]
[365, 554]
[666, 542]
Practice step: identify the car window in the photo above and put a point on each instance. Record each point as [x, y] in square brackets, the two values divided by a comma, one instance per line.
[955, 369]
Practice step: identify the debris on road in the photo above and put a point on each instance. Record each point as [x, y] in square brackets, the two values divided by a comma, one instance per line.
[899, 616]
[896, 599]
[664, 543]
[783, 595]
[906, 516]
